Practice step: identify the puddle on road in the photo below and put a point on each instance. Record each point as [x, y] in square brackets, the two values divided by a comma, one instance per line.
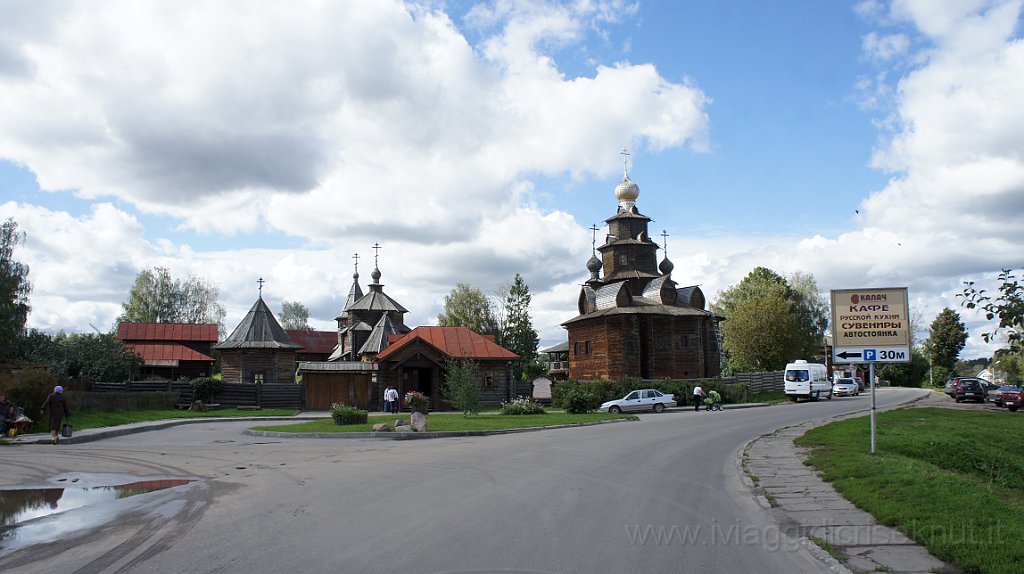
[21, 505]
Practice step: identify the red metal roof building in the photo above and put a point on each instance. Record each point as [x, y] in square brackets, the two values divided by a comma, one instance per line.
[171, 350]
[316, 345]
[415, 362]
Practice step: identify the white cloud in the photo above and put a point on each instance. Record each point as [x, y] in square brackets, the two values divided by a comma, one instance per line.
[345, 124]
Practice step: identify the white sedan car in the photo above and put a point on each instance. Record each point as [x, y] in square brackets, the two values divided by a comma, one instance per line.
[845, 387]
[642, 400]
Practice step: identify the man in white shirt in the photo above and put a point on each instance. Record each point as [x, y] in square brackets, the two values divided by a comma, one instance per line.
[390, 400]
[698, 397]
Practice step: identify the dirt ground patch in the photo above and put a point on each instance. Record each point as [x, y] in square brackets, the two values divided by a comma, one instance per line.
[942, 400]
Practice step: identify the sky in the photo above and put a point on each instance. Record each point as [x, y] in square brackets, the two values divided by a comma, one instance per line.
[868, 143]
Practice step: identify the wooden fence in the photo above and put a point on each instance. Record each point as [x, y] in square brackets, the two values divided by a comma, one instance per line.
[755, 382]
[289, 396]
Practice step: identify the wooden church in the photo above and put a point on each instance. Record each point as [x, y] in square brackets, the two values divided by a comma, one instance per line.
[634, 320]
[258, 350]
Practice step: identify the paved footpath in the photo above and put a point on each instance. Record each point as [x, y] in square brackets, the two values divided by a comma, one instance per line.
[807, 506]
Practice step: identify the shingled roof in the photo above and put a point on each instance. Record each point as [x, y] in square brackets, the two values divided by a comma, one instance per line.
[456, 342]
[258, 330]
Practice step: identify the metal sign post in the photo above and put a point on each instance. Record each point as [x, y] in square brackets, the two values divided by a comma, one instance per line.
[870, 326]
[871, 375]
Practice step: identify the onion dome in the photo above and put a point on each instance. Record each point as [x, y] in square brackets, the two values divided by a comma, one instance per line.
[666, 266]
[626, 192]
[594, 266]
[375, 275]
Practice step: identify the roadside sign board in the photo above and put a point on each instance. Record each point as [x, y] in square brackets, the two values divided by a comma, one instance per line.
[870, 326]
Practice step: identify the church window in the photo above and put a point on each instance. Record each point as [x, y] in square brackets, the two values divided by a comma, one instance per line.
[631, 345]
[576, 348]
[684, 341]
[489, 379]
[661, 343]
[258, 377]
[588, 348]
[623, 260]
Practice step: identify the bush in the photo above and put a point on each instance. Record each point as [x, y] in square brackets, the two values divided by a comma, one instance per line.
[579, 401]
[346, 415]
[206, 389]
[28, 389]
[522, 406]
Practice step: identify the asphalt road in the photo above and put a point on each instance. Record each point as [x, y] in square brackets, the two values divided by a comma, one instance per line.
[659, 495]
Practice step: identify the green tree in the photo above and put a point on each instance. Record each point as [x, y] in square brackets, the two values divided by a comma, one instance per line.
[467, 306]
[769, 323]
[294, 315]
[912, 374]
[946, 339]
[156, 297]
[14, 291]
[1008, 307]
[462, 384]
[84, 356]
[813, 309]
[518, 334]
[1007, 366]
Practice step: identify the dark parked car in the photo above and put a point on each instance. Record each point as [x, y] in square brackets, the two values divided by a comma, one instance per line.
[951, 386]
[1012, 400]
[969, 390]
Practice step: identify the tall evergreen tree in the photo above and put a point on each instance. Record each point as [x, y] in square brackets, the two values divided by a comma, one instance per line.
[518, 334]
[947, 338]
[467, 306]
[14, 290]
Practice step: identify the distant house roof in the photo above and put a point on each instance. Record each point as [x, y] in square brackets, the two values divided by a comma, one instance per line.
[258, 330]
[167, 332]
[314, 341]
[562, 347]
[165, 353]
[455, 342]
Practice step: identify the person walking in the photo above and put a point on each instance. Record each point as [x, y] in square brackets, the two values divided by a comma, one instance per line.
[698, 397]
[391, 400]
[5, 406]
[56, 406]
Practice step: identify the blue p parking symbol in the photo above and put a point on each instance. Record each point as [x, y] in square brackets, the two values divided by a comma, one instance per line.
[870, 355]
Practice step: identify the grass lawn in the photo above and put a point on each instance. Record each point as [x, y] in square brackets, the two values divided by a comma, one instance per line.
[453, 422]
[769, 397]
[87, 419]
[951, 480]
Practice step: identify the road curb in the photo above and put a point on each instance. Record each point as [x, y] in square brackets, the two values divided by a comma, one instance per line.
[423, 435]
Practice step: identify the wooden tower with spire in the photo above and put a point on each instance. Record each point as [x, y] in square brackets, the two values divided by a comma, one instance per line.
[258, 350]
[635, 321]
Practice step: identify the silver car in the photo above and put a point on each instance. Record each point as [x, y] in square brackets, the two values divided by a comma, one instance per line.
[845, 387]
[642, 400]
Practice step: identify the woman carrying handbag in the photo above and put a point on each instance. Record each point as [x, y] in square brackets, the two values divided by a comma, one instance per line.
[57, 407]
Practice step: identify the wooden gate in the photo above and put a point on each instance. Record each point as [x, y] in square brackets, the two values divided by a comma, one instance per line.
[324, 388]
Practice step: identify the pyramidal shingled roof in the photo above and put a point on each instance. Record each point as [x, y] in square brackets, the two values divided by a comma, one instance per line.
[258, 330]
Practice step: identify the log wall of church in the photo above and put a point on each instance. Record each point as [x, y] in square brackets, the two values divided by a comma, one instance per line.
[645, 346]
[241, 365]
